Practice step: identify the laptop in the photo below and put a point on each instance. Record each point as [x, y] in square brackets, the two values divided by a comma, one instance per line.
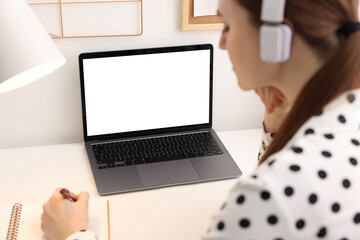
[147, 118]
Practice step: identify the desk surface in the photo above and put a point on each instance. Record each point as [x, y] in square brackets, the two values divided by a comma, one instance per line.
[182, 212]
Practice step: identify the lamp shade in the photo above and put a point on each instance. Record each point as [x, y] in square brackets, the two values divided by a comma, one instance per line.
[27, 52]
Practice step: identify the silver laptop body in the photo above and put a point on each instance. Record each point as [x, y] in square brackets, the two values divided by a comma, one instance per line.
[138, 96]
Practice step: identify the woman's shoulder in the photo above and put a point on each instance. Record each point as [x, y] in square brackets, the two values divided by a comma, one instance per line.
[315, 186]
[312, 184]
[315, 177]
[324, 161]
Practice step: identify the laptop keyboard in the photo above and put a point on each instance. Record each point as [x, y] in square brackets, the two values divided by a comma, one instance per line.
[150, 150]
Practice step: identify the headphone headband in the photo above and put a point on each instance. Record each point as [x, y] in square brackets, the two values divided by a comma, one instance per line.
[272, 11]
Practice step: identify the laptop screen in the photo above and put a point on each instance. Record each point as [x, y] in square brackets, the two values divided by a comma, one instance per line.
[147, 90]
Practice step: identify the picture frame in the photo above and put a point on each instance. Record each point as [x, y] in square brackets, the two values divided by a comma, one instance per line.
[191, 23]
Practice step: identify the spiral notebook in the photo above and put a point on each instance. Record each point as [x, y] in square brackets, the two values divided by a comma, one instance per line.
[22, 221]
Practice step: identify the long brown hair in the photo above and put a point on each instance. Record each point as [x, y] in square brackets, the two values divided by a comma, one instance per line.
[318, 22]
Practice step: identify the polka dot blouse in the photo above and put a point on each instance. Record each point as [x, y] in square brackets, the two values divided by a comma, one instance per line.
[308, 190]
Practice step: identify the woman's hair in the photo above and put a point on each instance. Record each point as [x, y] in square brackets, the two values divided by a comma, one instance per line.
[318, 22]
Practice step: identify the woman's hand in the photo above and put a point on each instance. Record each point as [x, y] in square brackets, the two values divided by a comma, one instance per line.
[277, 108]
[62, 217]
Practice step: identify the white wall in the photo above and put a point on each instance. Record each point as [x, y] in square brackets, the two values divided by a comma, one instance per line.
[49, 110]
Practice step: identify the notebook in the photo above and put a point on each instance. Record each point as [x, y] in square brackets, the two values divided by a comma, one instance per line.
[22, 221]
[147, 118]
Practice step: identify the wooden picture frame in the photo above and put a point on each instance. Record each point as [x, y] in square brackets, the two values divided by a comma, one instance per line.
[191, 23]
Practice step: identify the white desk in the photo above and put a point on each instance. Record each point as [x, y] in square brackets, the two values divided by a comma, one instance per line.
[175, 213]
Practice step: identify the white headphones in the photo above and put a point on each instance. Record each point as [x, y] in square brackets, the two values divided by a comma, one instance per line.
[275, 36]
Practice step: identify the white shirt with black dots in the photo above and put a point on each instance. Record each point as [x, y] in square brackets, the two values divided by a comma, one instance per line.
[309, 190]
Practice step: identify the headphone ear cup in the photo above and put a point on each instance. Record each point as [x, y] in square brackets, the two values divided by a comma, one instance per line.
[275, 43]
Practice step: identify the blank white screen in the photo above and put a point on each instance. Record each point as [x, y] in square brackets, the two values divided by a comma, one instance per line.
[144, 92]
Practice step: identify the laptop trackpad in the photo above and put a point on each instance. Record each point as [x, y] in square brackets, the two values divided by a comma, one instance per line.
[166, 173]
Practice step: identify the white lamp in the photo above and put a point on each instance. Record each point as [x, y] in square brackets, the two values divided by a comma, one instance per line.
[27, 52]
